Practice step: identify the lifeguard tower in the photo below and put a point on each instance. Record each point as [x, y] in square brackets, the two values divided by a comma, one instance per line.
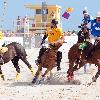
[32, 27]
[44, 13]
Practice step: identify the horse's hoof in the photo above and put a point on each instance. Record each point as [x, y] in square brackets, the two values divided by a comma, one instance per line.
[94, 79]
[58, 68]
[70, 78]
[34, 80]
[42, 80]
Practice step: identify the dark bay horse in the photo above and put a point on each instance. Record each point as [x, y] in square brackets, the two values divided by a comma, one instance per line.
[15, 52]
[48, 60]
[77, 59]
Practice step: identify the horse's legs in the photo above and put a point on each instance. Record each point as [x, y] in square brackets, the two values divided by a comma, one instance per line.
[37, 73]
[48, 69]
[70, 73]
[94, 78]
[73, 68]
[2, 76]
[45, 73]
[27, 63]
[15, 63]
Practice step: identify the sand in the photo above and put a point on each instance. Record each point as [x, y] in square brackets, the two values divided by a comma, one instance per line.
[57, 88]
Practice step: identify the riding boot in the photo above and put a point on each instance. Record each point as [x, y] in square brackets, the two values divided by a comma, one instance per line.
[41, 52]
[89, 53]
[59, 57]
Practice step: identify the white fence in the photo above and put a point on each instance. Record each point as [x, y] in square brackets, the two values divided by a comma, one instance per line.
[70, 40]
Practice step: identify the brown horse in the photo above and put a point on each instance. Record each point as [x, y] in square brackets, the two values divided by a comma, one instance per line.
[48, 60]
[15, 52]
[77, 59]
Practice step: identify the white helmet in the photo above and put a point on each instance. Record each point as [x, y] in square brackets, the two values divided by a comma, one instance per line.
[98, 14]
[85, 12]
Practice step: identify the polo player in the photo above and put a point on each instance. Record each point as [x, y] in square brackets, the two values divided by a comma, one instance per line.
[54, 35]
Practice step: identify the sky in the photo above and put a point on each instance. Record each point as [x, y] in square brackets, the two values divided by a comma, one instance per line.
[16, 8]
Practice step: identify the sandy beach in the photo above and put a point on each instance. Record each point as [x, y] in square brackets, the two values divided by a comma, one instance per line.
[57, 88]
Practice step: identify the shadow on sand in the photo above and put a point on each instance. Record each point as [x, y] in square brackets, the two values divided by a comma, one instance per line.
[56, 79]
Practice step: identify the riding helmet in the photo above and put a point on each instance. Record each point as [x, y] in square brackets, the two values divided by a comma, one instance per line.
[85, 12]
[54, 21]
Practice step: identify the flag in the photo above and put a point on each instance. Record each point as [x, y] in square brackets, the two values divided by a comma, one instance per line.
[66, 15]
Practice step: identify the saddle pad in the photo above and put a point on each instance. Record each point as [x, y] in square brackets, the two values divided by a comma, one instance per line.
[82, 46]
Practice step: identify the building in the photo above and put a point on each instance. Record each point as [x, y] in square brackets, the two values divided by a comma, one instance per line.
[43, 15]
[32, 28]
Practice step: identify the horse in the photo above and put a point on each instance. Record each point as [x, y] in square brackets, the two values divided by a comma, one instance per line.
[77, 59]
[15, 52]
[48, 60]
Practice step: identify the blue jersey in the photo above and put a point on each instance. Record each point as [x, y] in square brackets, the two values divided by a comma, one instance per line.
[95, 28]
[86, 19]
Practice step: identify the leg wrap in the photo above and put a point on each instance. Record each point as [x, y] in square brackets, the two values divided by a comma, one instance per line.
[42, 50]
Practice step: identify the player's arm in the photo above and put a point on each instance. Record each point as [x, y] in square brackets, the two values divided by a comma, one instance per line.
[45, 36]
